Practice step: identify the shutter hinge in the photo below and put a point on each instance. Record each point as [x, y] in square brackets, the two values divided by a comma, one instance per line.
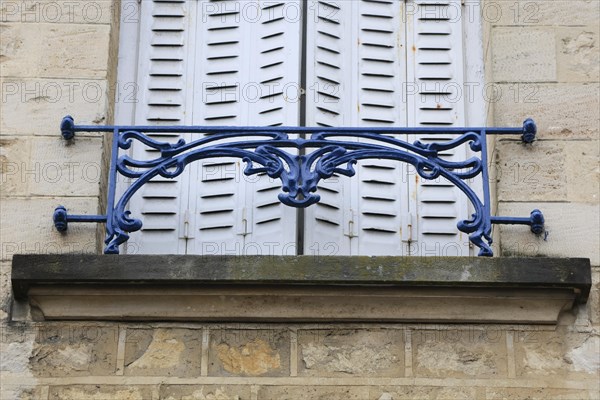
[186, 224]
[407, 228]
[244, 221]
[350, 224]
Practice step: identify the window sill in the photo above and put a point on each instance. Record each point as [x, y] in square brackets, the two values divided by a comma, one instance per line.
[282, 289]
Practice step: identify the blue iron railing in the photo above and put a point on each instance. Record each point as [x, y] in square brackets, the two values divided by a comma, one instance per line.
[328, 151]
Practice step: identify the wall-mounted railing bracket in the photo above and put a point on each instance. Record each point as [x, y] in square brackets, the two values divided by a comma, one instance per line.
[325, 152]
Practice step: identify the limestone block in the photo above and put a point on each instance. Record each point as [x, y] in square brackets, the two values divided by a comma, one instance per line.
[27, 227]
[64, 52]
[523, 55]
[53, 167]
[573, 231]
[578, 54]
[163, 352]
[562, 111]
[531, 172]
[493, 393]
[541, 12]
[14, 153]
[583, 171]
[424, 393]
[249, 353]
[65, 169]
[459, 353]
[344, 352]
[100, 392]
[57, 11]
[37, 106]
[305, 392]
[205, 392]
[568, 355]
[74, 350]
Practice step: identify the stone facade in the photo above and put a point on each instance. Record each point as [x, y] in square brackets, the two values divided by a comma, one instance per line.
[542, 58]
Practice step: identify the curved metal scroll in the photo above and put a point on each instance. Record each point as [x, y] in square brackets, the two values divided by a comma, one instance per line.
[327, 151]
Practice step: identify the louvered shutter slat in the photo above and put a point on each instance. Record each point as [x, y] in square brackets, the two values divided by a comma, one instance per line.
[359, 55]
[243, 65]
[164, 54]
[437, 71]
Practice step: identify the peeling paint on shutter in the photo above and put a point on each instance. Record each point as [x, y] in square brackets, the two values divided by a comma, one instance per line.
[436, 99]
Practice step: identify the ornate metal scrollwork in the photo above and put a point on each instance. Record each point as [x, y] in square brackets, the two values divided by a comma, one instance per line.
[324, 152]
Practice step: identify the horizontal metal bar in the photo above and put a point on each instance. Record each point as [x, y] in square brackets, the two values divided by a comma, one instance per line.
[68, 126]
[62, 218]
[536, 221]
[86, 218]
[511, 220]
[292, 129]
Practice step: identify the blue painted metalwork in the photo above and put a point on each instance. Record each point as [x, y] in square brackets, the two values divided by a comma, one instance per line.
[328, 151]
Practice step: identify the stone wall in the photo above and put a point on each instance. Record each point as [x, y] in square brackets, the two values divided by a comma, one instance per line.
[59, 57]
[271, 361]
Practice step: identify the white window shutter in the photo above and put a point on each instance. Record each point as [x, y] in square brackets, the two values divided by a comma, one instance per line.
[356, 68]
[436, 99]
[247, 62]
[165, 57]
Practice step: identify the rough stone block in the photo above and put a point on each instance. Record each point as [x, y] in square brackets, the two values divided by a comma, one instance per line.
[531, 172]
[423, 393]
[27, 227]
[57, 11]
[541, 12]
[564, 354]
[5, 290]
[578, 58]
[344, 352]
[205, 392]
[493, 393]
[453, 353]
[235, 352]
[100, 392]
[594, 300]
[74, 350]
[64, 52]
[523, 55]
[21, 392]
[306, 392]
[573, 231]
[37, 106]
[14, 153]
[163, 352]
[561, 110]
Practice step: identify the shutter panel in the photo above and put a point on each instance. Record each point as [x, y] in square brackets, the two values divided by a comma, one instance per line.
[356, 69]
[165, 56]
[329, 78]
[247, 57]
[436, 99]
[382, 187]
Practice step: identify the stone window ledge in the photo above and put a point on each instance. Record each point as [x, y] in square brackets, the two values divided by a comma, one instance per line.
[295, 289]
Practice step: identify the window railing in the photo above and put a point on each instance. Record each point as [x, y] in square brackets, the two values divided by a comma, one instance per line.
[323, 152]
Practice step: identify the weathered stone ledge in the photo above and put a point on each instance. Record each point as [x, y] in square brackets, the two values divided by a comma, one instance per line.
[306, 288]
